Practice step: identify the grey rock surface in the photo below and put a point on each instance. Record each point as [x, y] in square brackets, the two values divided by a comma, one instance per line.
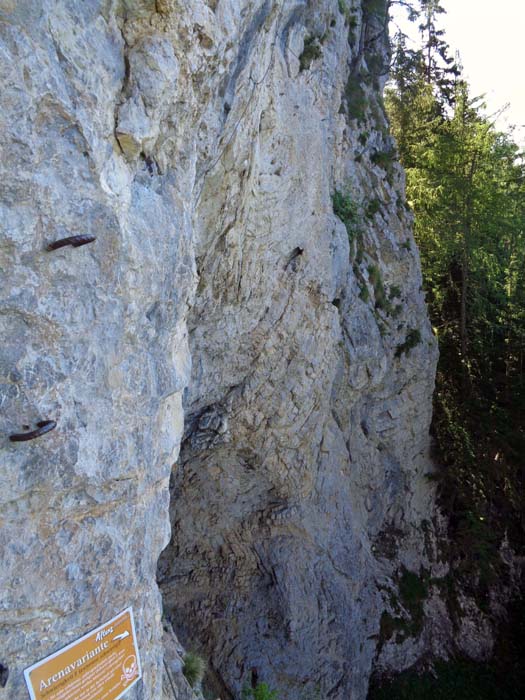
[201, 143]
[306, 428]
[92, 337]
[175, 686]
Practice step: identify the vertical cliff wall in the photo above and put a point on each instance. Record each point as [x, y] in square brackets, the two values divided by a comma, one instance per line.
[202, 143]
[300, 491]
[92, 337]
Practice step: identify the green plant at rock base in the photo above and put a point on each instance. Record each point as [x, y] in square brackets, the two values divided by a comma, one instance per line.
[312, 51]
[194, 668]
[261, 691]
[413, 338]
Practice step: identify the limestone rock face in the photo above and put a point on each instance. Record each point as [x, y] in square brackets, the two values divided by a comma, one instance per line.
[301, 486]
[202, 143]
[92, 337]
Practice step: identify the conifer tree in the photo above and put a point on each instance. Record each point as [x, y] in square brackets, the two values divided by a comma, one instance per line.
[466, 185]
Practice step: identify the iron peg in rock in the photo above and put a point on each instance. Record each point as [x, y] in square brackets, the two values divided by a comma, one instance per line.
[43, 427]
[75, 241]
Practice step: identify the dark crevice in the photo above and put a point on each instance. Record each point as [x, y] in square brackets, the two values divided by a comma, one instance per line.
[4, 675]
[296, 252]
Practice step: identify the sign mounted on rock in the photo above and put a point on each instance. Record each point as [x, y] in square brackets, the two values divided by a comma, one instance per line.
[102, 665]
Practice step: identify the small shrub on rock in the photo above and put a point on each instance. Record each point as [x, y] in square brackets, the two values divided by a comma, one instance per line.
[194, 668]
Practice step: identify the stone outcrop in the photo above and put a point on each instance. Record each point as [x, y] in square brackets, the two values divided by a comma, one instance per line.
[306, 428]
[203, 143]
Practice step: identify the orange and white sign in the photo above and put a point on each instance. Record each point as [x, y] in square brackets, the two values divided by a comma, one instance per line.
[102, 665]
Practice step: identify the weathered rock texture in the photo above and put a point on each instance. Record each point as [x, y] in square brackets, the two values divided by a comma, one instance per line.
[301, 487]
[201, 142]
[92, 337]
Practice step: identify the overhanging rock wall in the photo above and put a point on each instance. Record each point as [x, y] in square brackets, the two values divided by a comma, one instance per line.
[202, 143]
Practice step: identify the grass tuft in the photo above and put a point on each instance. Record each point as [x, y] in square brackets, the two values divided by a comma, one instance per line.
[194, 668]
[413, 338]
[311, 52]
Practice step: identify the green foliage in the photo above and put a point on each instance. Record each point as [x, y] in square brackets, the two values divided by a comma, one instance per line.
[348, 211]
[366, 73]
[375, 7]
[397, 310]
[413, 339]
[408, 607]
[356, 98]
[413, 590]
[466, 186]
[364, 294]
[194, 668]
[381, 299]
[385, 159]
[388, 626]
[376, 280]
[312, 51]
[383, 328]
[402, 206]
[373, 207]
[456, 680]
[395, 292]
[261, 691]
[376, 65]
[350, 17]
